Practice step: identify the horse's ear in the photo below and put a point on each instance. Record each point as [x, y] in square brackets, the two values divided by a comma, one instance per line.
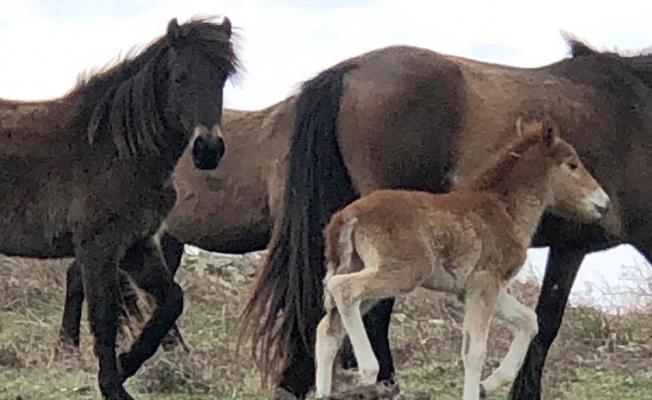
[173, 29]
[226, 26]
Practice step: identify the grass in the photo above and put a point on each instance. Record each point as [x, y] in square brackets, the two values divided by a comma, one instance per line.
[595, 357]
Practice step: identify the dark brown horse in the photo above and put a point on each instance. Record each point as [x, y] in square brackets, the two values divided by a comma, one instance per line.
[403, 117]
[88, 174]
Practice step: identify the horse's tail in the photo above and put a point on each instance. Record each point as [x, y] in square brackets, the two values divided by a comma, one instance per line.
[339, 251]
[316, 185]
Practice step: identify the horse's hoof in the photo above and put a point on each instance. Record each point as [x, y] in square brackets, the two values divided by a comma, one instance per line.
[65, 349]
[283, 394]
[483, 392]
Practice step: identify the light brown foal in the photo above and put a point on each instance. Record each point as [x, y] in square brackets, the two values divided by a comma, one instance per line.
[470, 242]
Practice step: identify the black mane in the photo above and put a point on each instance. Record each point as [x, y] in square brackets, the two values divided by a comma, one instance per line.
[639, 62]
[121, 96]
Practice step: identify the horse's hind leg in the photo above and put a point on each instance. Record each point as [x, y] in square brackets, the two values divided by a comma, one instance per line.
[523, 323]
[330, 333]
[158, 282]
[72, 311]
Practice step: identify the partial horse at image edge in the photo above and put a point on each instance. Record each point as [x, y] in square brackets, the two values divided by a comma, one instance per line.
[88, 175]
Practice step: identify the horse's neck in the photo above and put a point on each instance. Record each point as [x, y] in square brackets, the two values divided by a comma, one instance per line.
[256, 125]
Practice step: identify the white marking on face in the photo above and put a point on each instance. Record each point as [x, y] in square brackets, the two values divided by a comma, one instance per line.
[199, 130]
[598, 202]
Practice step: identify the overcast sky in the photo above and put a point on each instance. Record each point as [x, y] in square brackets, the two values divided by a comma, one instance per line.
[44, 44]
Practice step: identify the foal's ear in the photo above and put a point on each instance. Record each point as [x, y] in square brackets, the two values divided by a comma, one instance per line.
[549, 131]
[528, 126]
[173, 29]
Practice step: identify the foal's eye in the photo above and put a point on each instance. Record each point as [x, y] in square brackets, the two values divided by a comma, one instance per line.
[572, 165]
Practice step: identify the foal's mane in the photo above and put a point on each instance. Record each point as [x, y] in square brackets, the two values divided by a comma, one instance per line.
[501, 163]
[121, 96]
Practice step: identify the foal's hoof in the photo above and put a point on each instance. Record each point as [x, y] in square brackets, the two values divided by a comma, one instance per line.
[383, 390]
[483, 393]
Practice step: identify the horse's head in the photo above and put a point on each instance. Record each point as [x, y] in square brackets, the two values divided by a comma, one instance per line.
[573, 191]
[200, 60]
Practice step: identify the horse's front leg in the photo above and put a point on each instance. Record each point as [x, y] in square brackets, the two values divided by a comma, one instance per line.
[72, 311]
[563, 264]
[155, 279]
[97, 255]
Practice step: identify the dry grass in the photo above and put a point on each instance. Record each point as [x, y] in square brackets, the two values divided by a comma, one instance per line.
[596, 356]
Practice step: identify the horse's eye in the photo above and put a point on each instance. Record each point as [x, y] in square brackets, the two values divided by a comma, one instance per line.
[572, 165]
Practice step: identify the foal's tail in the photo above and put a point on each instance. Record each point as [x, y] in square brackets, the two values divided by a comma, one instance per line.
[339, 251]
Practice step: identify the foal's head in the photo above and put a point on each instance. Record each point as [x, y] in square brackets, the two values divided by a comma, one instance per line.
[572, 192]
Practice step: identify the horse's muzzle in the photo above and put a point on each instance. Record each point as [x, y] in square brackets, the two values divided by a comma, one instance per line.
[208, 147]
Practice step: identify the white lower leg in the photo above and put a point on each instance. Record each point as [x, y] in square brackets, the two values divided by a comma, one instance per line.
[349, 311]
[480, 304]
[330, 333]
[523, 322]
[474, 358]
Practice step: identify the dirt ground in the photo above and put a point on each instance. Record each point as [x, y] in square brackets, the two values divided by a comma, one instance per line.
[595, 357]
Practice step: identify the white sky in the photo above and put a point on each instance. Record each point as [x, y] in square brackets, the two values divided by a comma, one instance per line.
[44, 44]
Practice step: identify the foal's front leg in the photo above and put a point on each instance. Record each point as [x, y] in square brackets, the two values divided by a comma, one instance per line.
[522, 321]
[480, 302]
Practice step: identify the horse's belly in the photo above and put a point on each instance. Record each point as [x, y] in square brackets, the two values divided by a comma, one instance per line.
[34, 224]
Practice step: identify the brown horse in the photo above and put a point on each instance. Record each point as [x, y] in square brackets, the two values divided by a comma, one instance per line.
[405, 117]
[88, 174]
[469, 242]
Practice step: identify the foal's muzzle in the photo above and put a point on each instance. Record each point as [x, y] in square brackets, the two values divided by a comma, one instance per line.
[207, 147]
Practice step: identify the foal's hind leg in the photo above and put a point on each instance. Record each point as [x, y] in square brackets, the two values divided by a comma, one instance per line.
[365, 287]
[330, 333]
[347, 293]
[523, 323]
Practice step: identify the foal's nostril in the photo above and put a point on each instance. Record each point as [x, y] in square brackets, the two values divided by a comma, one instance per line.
[602, 209]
